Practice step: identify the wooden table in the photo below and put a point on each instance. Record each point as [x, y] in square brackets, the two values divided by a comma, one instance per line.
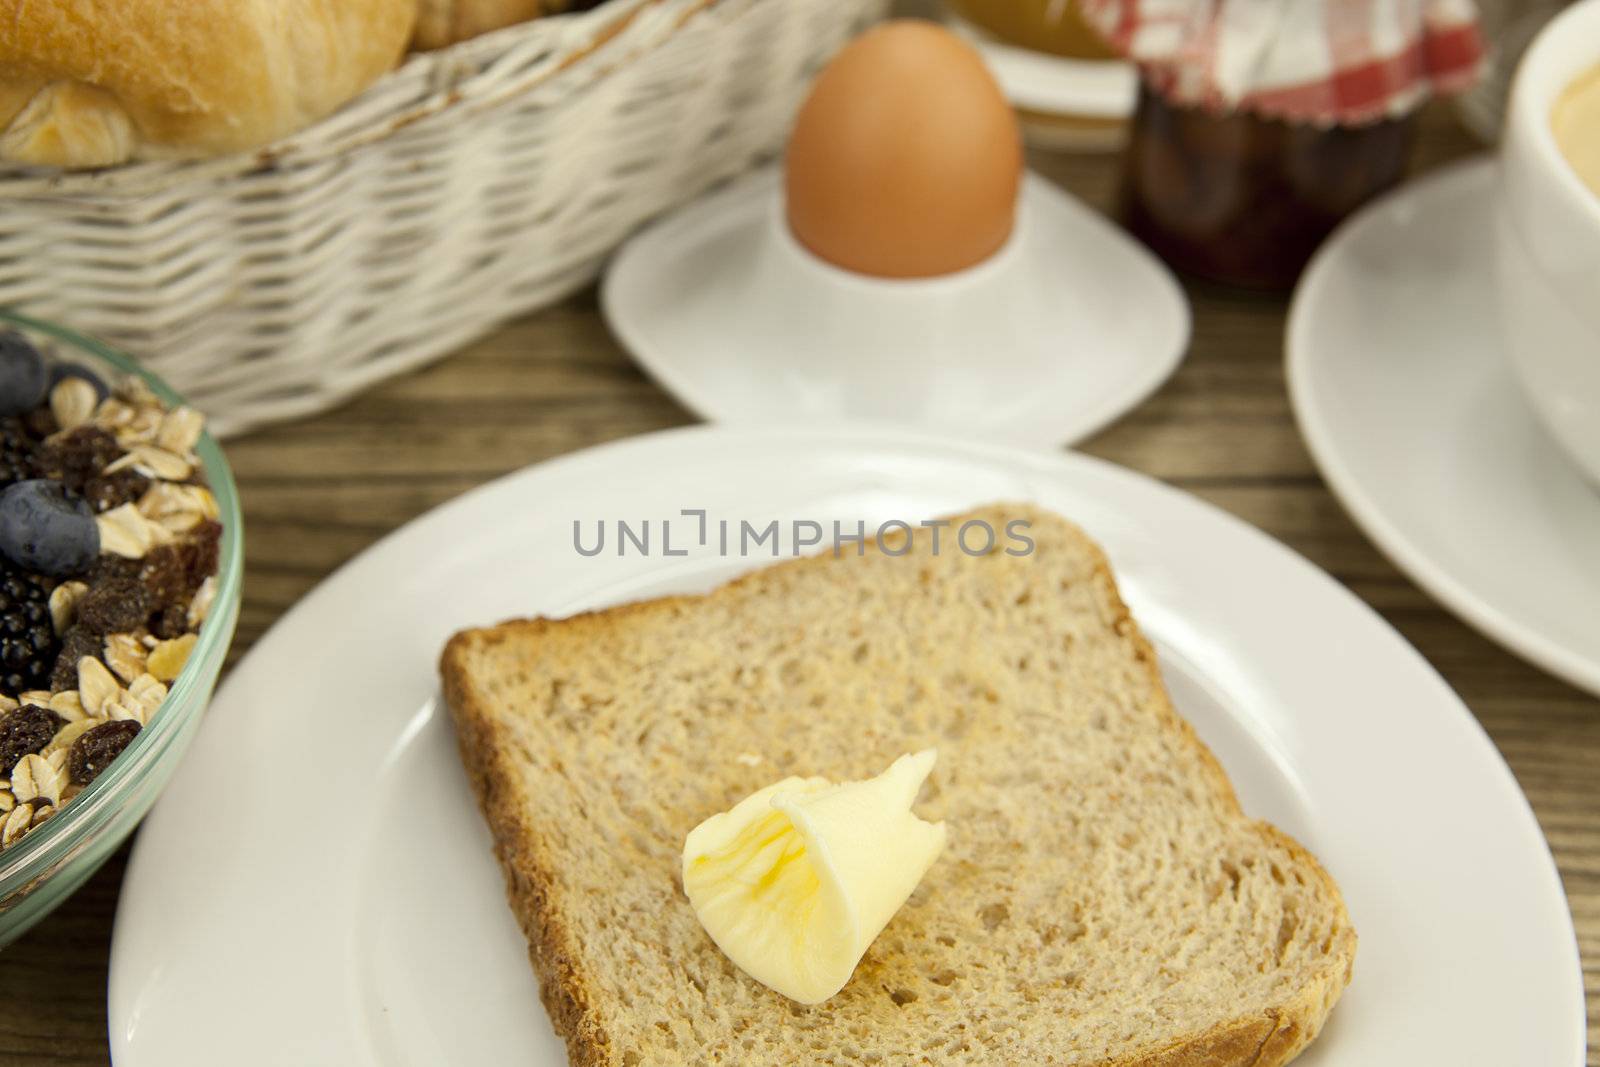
[318, 491]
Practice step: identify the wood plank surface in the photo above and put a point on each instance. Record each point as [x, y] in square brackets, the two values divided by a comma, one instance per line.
[318, 491]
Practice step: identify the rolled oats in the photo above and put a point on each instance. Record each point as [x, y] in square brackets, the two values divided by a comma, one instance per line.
[148, 691]
[180, 522]
[121, 463]
[96, 686]
[123, 709]
[35, 696]
[138, 393]
[33, 779]
[68, 705]
[135, 419]
[41, 814]
[7, 801]
[156, 462]
[173, 507]
[16, 825]
[168, 658]
[206, 500]
[163, 498]
[64, 600]
[125, 655]
[8, 704]
[200, 604]
[180, 430]
[73, 402]
[126, 533]
[113, 413]
[64, 737]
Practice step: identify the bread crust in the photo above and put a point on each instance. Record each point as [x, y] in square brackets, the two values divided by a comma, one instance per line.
[99, 83]
[444, 22]
[1262, 1039]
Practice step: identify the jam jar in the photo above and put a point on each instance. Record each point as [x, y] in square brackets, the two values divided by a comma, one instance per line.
[1263, 123]
[1244, 199]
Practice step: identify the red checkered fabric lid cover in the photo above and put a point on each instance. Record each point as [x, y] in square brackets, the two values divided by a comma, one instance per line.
[1342, 62]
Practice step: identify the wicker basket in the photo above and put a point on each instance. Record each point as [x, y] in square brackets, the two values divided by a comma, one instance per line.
[471, 185]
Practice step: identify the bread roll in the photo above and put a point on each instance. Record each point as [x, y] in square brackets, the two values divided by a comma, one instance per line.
[442, 22]
[98, 82]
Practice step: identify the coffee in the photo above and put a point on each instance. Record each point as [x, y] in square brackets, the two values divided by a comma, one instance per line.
[1576, 122]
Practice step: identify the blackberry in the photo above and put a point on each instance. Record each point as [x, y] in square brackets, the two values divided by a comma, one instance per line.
[16, 452]
[28, 644]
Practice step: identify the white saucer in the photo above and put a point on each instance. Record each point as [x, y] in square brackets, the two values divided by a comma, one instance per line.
[1046, 85]
[1400, 383]
[1068, 326]
[316, 885]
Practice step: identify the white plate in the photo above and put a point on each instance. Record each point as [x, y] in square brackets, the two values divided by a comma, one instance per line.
[1071, 324]
[316, 885]
[1400, 383]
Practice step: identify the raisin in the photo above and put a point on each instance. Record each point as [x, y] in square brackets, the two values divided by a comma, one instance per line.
[41, 421]
[76, 643]
[171, 573]
[164, 573]
[97, 746]
[114, 606]
[24, 732]
[78, 455]
[171, 621]
[204, 548]
[109, 567]
[107, 491]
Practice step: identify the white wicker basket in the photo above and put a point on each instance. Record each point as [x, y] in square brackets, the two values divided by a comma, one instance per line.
[471, 185]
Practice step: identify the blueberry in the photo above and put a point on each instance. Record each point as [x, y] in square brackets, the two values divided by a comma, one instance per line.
[61, 371]
[22, 375]
[46, 529]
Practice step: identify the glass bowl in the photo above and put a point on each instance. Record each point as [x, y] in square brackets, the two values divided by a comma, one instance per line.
[45, 866]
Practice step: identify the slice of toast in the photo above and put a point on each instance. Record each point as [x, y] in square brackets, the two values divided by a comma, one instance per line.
[1102, 899]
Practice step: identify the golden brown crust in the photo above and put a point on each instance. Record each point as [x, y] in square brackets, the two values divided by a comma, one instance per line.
[444, 22]
[98, 83]
[527, 872]
[1262, 1039]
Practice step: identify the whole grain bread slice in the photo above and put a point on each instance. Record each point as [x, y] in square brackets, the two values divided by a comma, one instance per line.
[1102, 899]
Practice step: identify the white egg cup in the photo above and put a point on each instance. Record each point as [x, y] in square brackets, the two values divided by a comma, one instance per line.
[1065, 327]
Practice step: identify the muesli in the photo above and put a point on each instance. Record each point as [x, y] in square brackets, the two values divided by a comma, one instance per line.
[109, 545]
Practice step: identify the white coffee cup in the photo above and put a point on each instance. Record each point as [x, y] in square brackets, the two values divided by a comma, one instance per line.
[1548, 243]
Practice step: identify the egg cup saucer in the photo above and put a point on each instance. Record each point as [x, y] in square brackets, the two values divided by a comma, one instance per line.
[1068, 326]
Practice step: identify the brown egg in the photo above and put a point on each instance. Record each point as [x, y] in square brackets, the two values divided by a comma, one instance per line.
[905, 160]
